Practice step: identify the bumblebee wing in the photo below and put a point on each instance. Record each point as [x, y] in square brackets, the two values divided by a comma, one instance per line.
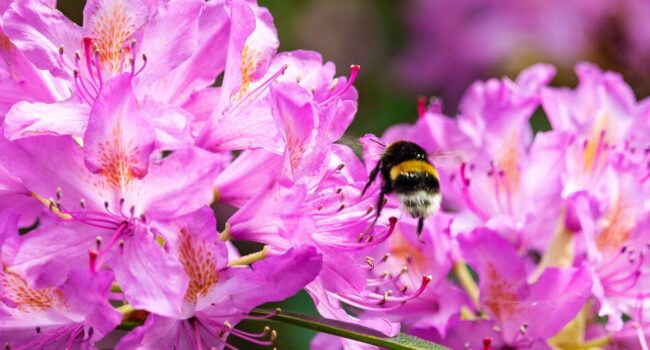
[446, 159]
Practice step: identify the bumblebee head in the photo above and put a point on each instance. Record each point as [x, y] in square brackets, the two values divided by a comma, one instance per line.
[400, 151]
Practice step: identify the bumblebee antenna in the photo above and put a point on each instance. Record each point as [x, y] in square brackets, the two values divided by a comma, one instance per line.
[377, 141]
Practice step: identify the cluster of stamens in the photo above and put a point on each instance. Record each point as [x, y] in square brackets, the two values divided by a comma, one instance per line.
[87, 67]
[122, 224]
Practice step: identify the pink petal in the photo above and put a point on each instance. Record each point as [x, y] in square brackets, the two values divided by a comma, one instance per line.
[207, 61]
[249, 173]
[272, 279]
[150, 278]
[169, 38]
[39, 30]
[157, 333]
[26, 119]
[119, 140]
[180, 184]
[47, 254]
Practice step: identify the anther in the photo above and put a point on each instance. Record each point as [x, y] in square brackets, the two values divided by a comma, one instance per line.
[371, 262]
[339, 190]
[370, 209]
[82, 203]
[523, 328]
[61, 50]
[386, 256]
[98, 242]
[274, 335]
[121, 244]
[38, 329]
[340, 167]
[58, 193]
[342, 206]
[106, 205]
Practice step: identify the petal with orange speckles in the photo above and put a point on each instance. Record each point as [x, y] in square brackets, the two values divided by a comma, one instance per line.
[119, 140]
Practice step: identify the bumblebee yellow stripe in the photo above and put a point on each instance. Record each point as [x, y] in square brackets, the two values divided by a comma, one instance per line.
[412, 166]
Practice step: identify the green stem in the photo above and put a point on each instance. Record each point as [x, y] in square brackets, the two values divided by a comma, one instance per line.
[349, 331]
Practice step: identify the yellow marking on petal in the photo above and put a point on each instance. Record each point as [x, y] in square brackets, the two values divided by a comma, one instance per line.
[200, 265]
[117, 166]
[52, 206]
[508, 162]
[250, 258]
[5, 43]
[412, 166]
[594, 142]
[17, 290]
[401, 248]
[249, 64]
[617, 227]
[503, 300]
[296, 149]
[113, 25]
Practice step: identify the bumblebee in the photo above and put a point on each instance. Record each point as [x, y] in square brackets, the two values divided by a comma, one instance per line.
[406, 171]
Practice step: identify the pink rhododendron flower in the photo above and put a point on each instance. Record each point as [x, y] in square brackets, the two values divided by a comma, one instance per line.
[218, 296]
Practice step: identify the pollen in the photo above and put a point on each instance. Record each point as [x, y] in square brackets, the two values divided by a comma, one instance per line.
[27, 299]
[200, 264]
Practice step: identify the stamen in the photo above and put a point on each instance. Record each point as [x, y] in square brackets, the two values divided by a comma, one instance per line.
[144, 64]
[92, 255]
[354, 71]
[422, 106]
[98, 68]
[77, 79]
[251, 97]
[55, 210]
[87, 45]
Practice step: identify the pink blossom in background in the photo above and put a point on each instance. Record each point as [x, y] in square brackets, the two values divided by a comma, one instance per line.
[449, 44]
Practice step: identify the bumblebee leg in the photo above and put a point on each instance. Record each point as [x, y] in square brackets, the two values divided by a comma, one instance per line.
[372, 177]
[420, 228]
[380, 205]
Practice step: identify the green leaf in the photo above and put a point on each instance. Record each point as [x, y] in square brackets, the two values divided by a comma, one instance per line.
[350, 331]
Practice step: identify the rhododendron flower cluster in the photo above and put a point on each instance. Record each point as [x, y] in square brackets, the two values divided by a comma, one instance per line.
[117, 144]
